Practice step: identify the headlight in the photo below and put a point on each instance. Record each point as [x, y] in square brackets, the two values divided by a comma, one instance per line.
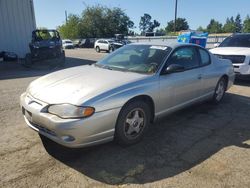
[67, 111]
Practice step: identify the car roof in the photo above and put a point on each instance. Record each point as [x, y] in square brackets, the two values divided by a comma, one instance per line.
[236, 34]
[106, 39]
[167, 44]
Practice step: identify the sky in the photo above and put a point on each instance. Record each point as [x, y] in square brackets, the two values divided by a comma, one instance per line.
[51, 13]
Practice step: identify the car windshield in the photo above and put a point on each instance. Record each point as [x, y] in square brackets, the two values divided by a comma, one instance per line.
[236, 41]
[144, 59]
[40, 35]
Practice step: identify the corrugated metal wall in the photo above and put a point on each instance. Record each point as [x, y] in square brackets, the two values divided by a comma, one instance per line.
[17, 21]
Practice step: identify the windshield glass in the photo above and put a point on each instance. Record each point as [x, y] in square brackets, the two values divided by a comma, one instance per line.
[236, 41]
[136, 58]
[40, 35]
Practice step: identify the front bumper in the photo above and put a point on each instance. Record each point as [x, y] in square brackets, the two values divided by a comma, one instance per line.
[74, 133]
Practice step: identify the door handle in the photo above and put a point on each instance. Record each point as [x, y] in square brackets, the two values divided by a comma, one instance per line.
[199, 76]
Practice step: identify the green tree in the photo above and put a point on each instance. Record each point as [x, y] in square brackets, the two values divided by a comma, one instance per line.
[146, 25]
[161, 32]
[246, 25]
[71, 29]
[181, 24]
[238, 23]
[230, 26]
[200, 28]
[96, 21]
[214, 26]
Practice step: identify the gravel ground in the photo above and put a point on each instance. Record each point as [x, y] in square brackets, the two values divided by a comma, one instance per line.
[201, 146]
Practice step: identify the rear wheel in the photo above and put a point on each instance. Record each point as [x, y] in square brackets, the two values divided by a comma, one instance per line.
[220, 90]
[62, 59]
[132, 123]
[111, 49]
[97, 49]
[28, 60]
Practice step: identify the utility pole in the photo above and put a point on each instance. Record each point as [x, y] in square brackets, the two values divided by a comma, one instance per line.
[66, 16]
[175, 17]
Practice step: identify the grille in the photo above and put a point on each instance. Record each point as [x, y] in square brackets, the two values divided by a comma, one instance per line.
[236, 59]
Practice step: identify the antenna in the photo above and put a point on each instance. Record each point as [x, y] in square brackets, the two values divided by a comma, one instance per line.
[66, 16]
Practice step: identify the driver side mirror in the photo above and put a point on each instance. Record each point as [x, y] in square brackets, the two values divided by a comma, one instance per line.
[174, 68]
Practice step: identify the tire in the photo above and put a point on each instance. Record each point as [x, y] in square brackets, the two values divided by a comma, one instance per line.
[97, 49]
[132, 123]
[111, 49]
[219, 91]
[28, 60]
[62, 59]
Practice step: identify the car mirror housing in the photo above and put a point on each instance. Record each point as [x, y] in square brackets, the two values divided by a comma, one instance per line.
[173, 68]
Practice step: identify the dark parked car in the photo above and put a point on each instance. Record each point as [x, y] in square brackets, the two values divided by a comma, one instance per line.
[45, 44]
[87, 43]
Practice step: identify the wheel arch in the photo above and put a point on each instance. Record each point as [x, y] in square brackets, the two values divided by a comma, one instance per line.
[145, 98]
[226, 77]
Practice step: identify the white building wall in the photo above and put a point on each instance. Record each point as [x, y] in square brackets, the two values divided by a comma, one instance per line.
[17, 21]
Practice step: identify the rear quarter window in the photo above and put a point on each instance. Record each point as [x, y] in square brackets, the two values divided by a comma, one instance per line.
[205, 57]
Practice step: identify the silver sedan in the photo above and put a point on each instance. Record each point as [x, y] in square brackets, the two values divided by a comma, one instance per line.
[121, 95]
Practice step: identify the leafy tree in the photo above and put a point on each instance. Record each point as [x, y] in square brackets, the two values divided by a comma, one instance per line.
[161, 32]
[71, 29]
[200, 28]
[181, 24]
[146, 25]
[230, 26]
[214, 26]
[117, 22]
[246, 25]
[96, 21]
[238, 23]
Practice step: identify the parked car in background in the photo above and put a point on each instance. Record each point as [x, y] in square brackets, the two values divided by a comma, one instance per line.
[119, 96]
[76, 43]
[104, 45]
[237, 49]
[67, 44]
[118, 44]
[45, 44]
[87, 43]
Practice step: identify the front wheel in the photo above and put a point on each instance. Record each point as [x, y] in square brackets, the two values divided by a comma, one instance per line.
[132, 123]
[219, 90]
[97, 49]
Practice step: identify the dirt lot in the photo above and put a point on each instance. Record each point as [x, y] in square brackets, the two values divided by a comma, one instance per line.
[201, 146]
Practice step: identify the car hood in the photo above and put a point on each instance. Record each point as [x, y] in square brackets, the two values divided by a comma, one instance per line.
[79, 84]
[231, 51]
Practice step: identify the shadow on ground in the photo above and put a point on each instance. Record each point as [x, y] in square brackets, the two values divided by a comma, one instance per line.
[242, 82]
[172, 145]
[12, 70]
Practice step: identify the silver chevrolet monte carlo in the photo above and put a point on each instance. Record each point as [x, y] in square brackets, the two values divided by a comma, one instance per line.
[122, 94]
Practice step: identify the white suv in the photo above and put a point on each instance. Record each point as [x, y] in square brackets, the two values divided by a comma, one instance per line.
[103, 45]
[237, 49]
[67, 44]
